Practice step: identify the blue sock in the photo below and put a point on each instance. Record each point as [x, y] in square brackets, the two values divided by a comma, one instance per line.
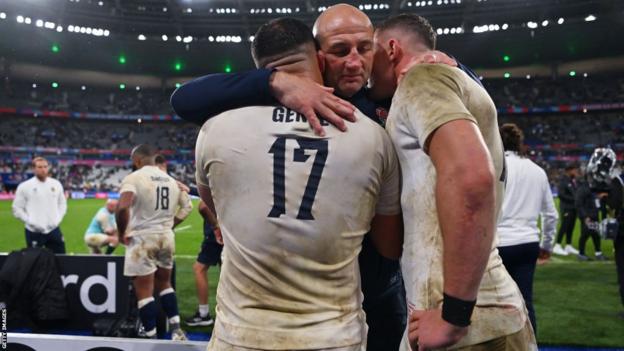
[170, 304]
[148, 313]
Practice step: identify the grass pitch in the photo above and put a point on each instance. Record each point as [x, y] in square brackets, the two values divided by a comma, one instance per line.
[576, 302]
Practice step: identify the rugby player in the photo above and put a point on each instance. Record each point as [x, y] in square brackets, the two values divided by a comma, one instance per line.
[291, 281]
[444, 128]
[150, 206]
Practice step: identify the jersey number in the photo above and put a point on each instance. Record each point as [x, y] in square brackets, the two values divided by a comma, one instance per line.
[162, 198]
[278, 149]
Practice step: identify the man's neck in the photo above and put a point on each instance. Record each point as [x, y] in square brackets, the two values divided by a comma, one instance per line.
[42, 179]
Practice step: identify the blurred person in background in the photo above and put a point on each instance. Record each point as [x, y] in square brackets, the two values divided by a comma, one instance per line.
[527, 197]
[568, 185]
[209, 255]
[615, 202]
[40, 203]
[102, 231]
[589, 199]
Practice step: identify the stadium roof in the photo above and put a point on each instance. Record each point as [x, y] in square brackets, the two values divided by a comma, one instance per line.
[192, 37]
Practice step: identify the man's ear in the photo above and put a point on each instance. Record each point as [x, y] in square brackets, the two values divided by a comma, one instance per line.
[320, 57]
[395, 52]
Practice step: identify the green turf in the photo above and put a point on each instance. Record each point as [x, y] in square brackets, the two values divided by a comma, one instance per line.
[576, 302]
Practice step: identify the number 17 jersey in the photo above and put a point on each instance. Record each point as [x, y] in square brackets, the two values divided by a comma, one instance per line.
[293, 209]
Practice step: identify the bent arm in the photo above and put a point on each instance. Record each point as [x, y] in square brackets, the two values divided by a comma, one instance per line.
[185, 206]
[465, 200]
[122, 214]
[207, 96]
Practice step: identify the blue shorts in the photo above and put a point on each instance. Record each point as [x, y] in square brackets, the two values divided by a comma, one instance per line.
[210, 254]
[53, 240]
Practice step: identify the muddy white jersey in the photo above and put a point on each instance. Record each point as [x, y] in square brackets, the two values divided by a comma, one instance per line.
[293, 209]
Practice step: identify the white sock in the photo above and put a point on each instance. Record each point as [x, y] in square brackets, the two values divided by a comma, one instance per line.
[144, 301]
[174, 320]
[204, 310]
[150, 333]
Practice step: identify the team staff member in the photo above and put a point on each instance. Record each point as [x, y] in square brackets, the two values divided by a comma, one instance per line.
[567, 192]
[444, 128]
[102, 231]
[210, 255]
[527, 198]
[290, 278]
[40, 203]
[150, 206]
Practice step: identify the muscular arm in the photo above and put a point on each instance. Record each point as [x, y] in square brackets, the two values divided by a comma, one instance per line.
[207, 214]
[465, 200]
[122, 215]
[387, 235]
[185, 205]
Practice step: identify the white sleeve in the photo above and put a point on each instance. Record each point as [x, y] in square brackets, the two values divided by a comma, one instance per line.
[62, 204]
[549, 216]
[389, 202]
[19, 205]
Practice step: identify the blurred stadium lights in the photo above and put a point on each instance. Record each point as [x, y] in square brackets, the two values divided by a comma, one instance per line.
[2, 15]
[34, 85]
[141, 37]
[375, 7]
[281, 10]
[454, 30]
[532, 24]
[187, 39]
[528, 76]
[560, 20]
[138, 88]
[590, 18]
[544, 23]
[489, 28]
[165, 37]
[83, 88]
[55, 85]
[251, 38]
[431, 3]
[507, 75]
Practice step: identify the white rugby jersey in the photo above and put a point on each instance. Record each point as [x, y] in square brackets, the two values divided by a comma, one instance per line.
[293, 209]
[428, 97]
[157, 200]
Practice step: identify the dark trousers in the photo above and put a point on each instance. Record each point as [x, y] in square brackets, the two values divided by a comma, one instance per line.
[568, 221]
[586, 233]
[619, 262]
[53, 240]
[386, 319]
[520, 261]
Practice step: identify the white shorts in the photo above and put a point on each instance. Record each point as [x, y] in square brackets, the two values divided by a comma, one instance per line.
[217, 344]
[146, 252]
[96, 240]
